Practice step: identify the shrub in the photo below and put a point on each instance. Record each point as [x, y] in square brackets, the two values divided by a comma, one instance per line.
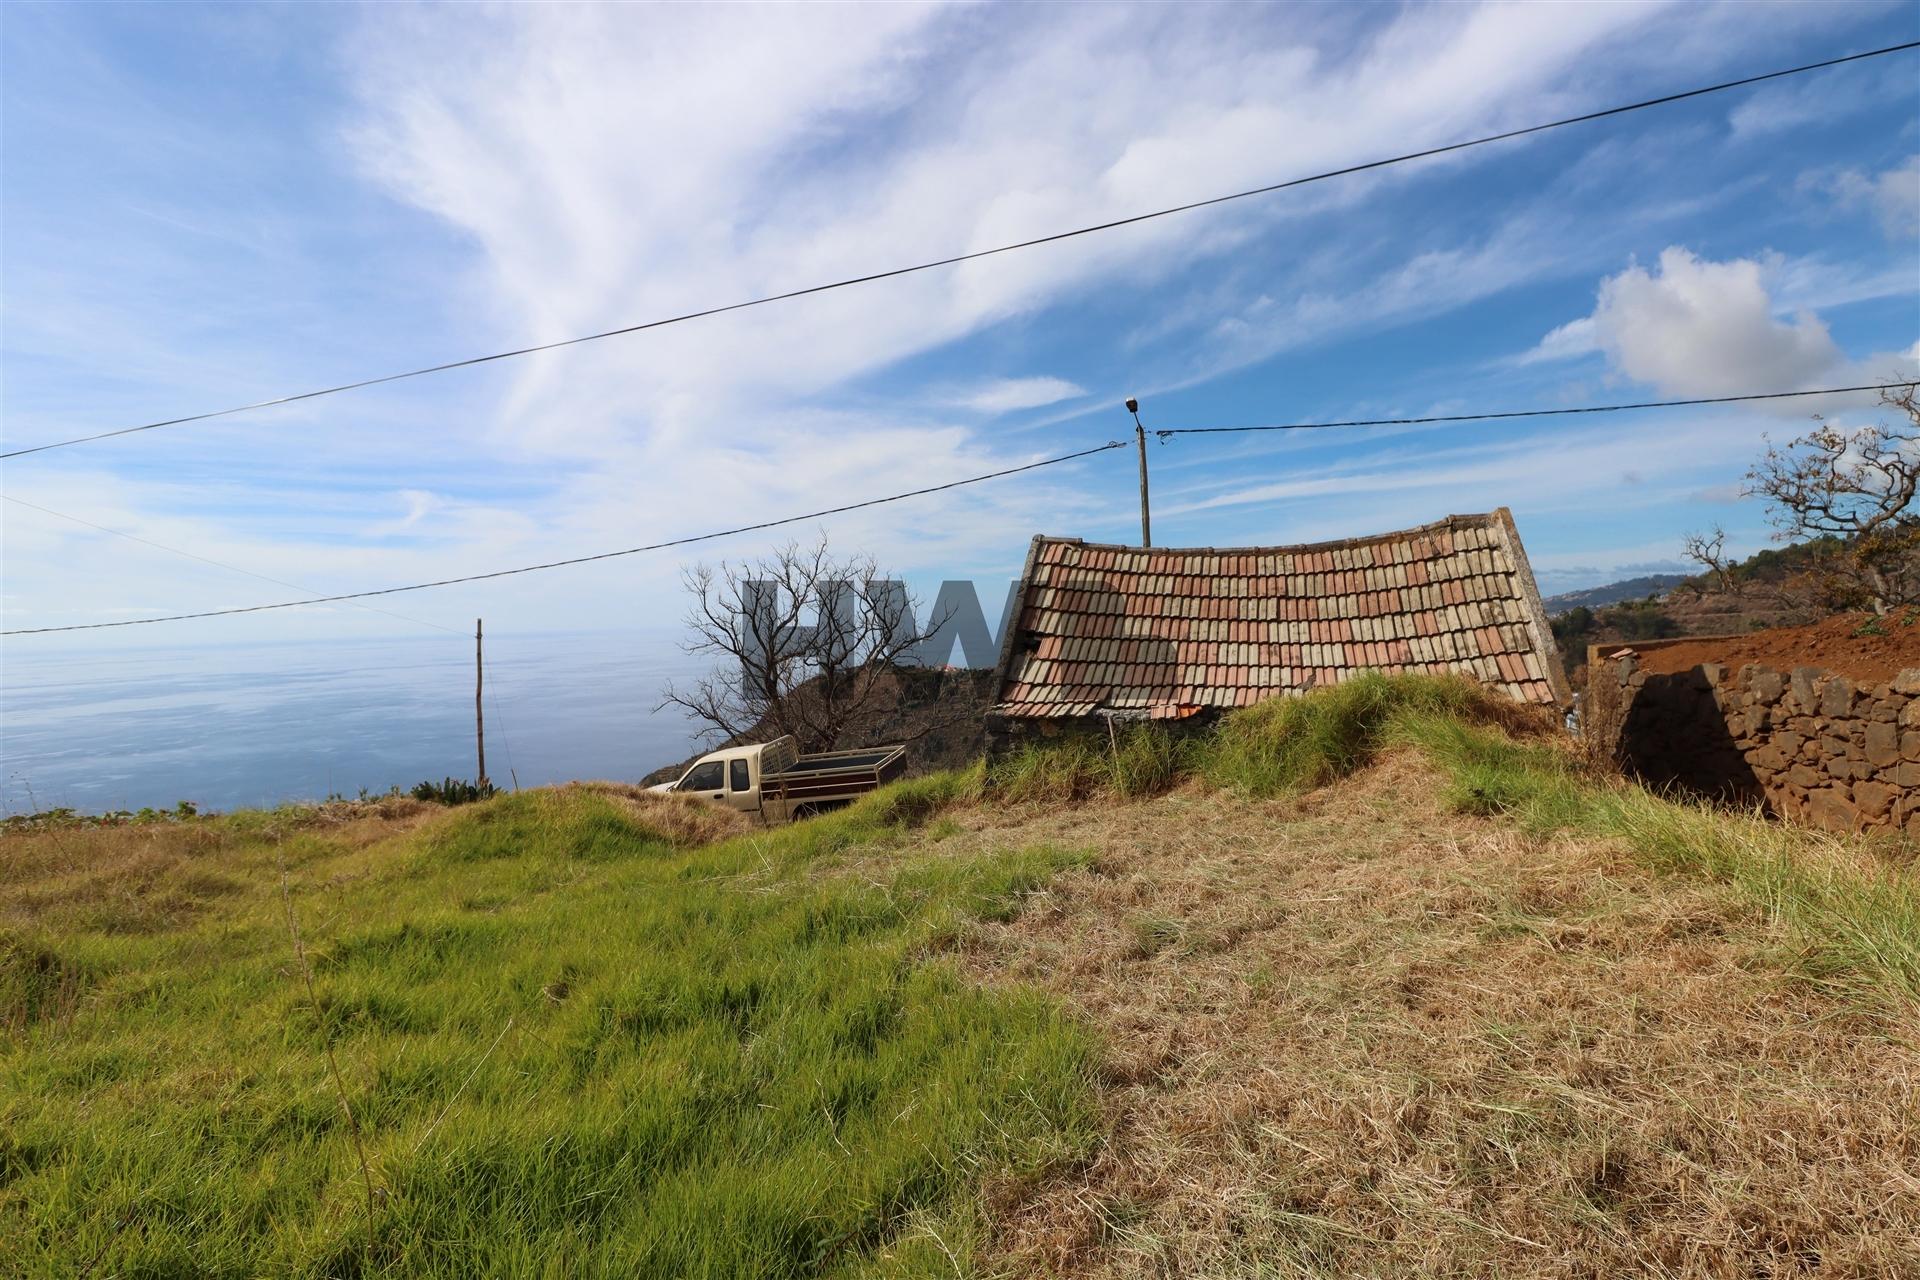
[453, 791]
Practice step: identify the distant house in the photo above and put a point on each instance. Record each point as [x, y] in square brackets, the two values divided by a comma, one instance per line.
[1103, 632]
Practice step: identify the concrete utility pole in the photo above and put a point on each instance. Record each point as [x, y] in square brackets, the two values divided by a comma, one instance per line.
[1140, 438]
[479, 720]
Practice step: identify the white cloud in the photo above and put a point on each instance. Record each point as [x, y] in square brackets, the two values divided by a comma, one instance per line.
[1698, 328]
[1008, 394]
[1569, 341]
[608, 167]
[1693, 327]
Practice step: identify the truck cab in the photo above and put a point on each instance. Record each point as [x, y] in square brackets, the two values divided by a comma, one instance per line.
[732, 776]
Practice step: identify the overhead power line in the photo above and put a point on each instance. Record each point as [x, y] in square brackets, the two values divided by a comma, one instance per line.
[218, 564]
[555, 564]
[1164, 432]
[955, 259]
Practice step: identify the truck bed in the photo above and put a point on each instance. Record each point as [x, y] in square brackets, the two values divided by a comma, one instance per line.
[868, 758]
[837, 775]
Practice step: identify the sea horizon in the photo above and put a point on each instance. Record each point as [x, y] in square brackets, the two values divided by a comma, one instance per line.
[271, 722]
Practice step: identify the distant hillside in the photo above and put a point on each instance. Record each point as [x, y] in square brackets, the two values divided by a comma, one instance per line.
[1753, 596]
[1614, 592]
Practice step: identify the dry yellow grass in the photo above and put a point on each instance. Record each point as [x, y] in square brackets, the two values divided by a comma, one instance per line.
[685, 820]
[1357, 1035]
[143, 877]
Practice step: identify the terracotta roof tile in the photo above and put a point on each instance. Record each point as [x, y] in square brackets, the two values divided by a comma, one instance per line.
[1165, 631]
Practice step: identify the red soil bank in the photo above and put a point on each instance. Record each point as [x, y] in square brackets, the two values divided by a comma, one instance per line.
[1833, 645]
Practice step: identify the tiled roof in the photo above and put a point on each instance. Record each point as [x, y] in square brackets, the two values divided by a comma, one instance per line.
[1167, 633]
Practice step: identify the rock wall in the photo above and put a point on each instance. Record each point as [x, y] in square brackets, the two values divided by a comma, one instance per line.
[1807, 744]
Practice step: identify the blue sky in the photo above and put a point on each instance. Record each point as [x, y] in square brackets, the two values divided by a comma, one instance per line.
[205, 206]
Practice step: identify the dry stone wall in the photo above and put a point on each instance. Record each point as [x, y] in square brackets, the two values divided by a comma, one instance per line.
[1807, 744]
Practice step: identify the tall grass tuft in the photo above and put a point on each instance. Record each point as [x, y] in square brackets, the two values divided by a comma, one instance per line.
[1859, 924]
[1283, 745]
[1137, 760]
[1290, 744]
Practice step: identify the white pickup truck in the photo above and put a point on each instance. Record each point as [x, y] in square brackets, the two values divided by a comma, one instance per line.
[773, 780]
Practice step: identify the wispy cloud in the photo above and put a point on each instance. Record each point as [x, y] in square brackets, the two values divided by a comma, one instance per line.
[1824, 98]
[1008, 394]
[1892, 195]
[1569, 341]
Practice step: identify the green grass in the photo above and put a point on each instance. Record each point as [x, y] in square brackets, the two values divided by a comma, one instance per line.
[573, 1045]
[1137, 760]
[571, 1048]
[1858, 925]
[1291, 744]
[1277, 747]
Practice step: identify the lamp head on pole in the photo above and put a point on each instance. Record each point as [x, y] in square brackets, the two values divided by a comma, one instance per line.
[1133, 405]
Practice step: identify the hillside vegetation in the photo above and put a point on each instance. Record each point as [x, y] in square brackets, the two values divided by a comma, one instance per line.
[1379, 981]
[1641, 588]
[1774, 587]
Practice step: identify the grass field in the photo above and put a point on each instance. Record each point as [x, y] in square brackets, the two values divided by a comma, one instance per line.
[1377, 982]
[570, 1046]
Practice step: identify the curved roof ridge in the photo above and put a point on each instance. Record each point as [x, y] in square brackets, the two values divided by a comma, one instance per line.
[1474, 521]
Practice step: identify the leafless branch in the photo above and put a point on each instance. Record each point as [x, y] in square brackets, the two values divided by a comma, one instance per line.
[825, 681]
[1852, 492]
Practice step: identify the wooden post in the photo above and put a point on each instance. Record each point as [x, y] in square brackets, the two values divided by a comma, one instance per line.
[479, 718]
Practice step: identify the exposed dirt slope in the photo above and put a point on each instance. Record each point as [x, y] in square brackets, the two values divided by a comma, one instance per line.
[1852, 644]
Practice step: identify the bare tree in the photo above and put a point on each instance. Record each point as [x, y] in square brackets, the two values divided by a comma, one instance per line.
[826, 680]
[1850, 496]
[1710, 551]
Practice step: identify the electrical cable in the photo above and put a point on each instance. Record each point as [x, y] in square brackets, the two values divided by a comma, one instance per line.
[955, 259]
[555, 564]
[1164, 432]
[218, 564]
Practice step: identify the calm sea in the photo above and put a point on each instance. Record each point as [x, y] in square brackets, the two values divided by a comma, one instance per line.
[263, 724]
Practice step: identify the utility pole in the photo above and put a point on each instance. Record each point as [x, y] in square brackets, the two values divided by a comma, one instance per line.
[1140, 438]
[479, 719]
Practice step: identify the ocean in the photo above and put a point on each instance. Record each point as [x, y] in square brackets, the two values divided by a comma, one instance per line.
[245, 725]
